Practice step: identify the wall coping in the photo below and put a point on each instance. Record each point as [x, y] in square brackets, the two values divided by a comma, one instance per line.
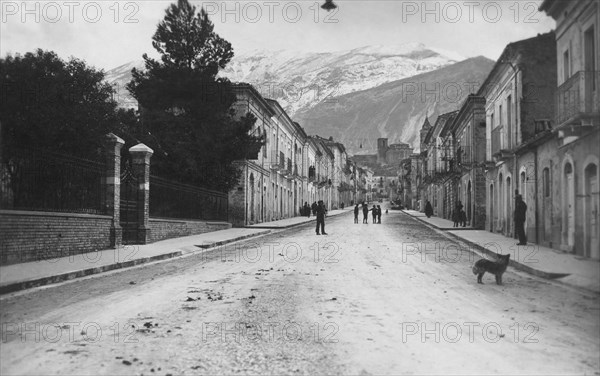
[156, 219]
[52, 214]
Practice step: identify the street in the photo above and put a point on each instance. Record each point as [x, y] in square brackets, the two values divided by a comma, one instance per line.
[390, 298]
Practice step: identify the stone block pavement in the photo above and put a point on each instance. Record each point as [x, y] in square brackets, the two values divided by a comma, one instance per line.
[533, 258]
[47, 271]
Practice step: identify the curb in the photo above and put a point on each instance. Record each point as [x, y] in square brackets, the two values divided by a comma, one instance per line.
[222, 242]
[24, 285]
[513, 263]
[12, 287]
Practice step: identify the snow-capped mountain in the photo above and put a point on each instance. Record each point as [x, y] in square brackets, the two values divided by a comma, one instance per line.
[395, 110]
[300, 80]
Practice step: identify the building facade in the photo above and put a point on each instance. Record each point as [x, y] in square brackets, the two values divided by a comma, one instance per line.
[519, 92]
[568, 162]
[468, 134]
[289, 170]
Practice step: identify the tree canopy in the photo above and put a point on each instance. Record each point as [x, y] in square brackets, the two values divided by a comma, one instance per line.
[186, 112]
[52, 104]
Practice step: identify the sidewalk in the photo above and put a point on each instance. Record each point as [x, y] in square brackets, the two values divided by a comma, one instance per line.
[43, 272]
[533, 258]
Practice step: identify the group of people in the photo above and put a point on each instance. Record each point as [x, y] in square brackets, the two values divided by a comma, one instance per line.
[460, 217]
[375, 212]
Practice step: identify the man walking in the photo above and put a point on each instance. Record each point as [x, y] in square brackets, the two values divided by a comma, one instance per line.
[356, 214]
[520, 216]
[321, 218]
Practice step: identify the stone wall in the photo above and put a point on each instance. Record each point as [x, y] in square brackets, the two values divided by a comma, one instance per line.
[164, 228]
[32, 236]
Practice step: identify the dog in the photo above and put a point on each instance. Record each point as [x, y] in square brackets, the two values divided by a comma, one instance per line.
[497, 267]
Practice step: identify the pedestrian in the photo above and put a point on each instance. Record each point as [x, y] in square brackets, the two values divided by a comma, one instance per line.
[314, 208]
[306, 209]
[455, 219]
[456, 214]
[520, 216]
[378, 214]
[374, 214]
[428, 209]
[321, 218]
[462, 216]
[342, 206]
[365, 209]
[356, 210]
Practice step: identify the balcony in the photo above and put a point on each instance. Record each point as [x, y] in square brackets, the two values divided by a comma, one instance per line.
[577, 100]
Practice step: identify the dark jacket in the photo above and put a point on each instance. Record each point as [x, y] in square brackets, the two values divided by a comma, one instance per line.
[321, 211]
[520, 211]
[428, 208]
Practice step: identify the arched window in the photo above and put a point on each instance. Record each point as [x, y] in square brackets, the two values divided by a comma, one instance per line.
[546, 182]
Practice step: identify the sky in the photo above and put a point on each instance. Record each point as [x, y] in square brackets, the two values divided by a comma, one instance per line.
[110, 33]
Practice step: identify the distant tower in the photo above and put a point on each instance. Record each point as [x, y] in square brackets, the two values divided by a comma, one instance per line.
[424, 130]
[382, 148]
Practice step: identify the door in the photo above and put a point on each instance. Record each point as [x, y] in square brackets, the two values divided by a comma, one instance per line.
[570, 203]
[469, 206]
[252, 195]
[591, 209]
[491, 208]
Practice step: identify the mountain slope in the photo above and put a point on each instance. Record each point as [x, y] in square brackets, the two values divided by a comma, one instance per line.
[395, 110]
[300, 80]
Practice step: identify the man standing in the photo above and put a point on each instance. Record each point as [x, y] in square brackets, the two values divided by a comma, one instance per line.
[365, 209]
[520, 215]
[321, 218]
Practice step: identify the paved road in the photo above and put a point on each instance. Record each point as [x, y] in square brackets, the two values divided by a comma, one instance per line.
[391, 298]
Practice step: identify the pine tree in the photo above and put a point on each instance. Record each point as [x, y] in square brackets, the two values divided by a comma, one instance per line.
[186, 111]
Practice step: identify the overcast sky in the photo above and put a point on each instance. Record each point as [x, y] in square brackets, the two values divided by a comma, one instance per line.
[109, 33]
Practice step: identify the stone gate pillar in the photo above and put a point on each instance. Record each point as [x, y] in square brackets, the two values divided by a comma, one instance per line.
[112, 146]
[140, 158]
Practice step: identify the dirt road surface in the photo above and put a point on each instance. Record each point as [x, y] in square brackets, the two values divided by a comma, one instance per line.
[390, 298]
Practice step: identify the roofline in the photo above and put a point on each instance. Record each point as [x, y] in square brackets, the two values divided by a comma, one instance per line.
[469, 102]
[252, 90]
[502, 60]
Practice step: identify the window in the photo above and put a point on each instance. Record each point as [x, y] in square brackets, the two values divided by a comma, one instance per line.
[566, 66]
[509, 111]
[546, 182]
[500, 115]
[266, 143]
[590, 56]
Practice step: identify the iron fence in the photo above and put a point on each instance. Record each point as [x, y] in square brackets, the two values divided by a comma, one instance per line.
[33, 179]
[181, 201]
